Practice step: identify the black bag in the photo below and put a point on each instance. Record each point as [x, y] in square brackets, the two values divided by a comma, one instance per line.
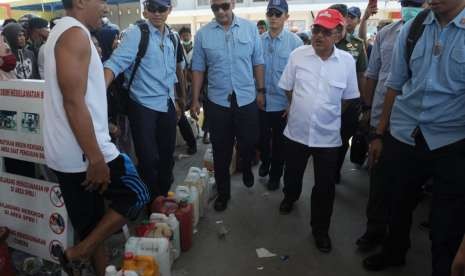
[118, 94]
[359, 148]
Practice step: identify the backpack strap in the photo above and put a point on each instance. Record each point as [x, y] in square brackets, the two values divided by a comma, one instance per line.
[415, 32]
[176, 40]
[143, 45]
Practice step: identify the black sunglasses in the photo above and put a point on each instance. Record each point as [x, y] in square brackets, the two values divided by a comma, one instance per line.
[318, 29]
[151, 7]
[274, 12]
[223, 6]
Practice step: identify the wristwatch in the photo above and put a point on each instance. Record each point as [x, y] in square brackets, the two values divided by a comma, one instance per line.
[261, 90]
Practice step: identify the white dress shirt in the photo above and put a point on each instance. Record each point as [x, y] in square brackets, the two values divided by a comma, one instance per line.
[318, 88]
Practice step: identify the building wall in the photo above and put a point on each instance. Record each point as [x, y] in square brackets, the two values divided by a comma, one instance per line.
[197, 13]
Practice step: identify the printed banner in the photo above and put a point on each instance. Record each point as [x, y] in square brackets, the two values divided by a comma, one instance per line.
[35, 212]
[21, 104]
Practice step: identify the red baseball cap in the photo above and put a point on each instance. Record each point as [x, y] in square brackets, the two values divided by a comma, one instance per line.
[329, 19]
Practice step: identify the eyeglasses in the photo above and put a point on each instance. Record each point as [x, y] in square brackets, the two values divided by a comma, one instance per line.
[156, 8]
[274, 12]
[326, 32]
[223, 6]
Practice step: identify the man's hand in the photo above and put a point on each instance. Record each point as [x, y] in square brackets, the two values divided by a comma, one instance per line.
[458, 266]
[98, 176]
[286, 112]
[115, 131]
[376, 147]
[369, 11]
[179, 110]
[261, 100]
[195, 109]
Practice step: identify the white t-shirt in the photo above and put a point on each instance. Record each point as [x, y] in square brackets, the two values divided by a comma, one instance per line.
[318, 86]
[62, 151]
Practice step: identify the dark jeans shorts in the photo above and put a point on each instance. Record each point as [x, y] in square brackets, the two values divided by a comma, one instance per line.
[126, 192]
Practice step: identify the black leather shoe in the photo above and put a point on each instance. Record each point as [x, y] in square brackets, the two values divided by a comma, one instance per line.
[323, 243]
[381, 261]
[286, 206]
[221, 203]
[272, 185]
[248, 178]
[368, 242]
[264, 169]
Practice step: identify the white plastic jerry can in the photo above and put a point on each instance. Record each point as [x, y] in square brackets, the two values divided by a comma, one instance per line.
[212, 187]
[173, 223]
[158, 248]
[194, 179]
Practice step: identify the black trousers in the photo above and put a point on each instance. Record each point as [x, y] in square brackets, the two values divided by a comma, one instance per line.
[186, 132]
[324, 166]
[271, 142]
[226, 125]
[378, 209]
[349, 125]
[154, 135]
[405, 164]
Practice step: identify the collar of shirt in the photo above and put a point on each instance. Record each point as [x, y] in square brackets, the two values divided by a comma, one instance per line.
[235, 23]
[311, 52]
[458, 21]
[156, 31]
[268, 36]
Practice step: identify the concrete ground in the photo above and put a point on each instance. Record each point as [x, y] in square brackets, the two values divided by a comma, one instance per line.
[253, 221]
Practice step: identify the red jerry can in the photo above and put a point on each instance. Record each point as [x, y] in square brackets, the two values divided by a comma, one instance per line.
[164, 205]
[185, 215]
[6, 265]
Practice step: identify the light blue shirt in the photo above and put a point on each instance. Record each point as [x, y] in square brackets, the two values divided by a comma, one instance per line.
[230, 57]
[276, 53]
[434, 97]
[154, 81]
[380, 66]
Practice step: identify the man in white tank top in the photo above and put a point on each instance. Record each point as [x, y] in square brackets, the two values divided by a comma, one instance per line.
[77, 142]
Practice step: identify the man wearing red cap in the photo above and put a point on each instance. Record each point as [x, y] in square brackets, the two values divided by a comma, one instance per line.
[316, 80]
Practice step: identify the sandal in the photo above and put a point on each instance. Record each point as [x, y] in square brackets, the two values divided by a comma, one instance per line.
[67, 266]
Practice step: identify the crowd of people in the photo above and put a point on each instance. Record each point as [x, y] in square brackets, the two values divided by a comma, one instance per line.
[400, 98]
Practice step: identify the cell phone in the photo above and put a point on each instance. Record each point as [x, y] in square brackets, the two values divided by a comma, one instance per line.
[373, 3]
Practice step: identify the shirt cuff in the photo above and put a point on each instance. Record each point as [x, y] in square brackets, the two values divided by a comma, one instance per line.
[113, 67]
[371, 75]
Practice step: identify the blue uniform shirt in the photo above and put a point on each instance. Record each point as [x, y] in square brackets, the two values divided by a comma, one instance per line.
[434, 97]
[276, 52]
[154, 81]
[379, 67]
[230, 57]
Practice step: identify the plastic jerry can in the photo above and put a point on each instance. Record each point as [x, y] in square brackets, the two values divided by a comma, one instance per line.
[6, 266]
[191, 195]
[141, 265]
[164, 205]
[156, 248]
[173, 223]
[194, 179]
[184, 216]
[111, 271]
[208, 159]
[212, 188]
[144, 228]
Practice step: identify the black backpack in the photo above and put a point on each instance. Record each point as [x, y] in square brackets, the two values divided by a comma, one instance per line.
[416, 31]
[118, 93]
